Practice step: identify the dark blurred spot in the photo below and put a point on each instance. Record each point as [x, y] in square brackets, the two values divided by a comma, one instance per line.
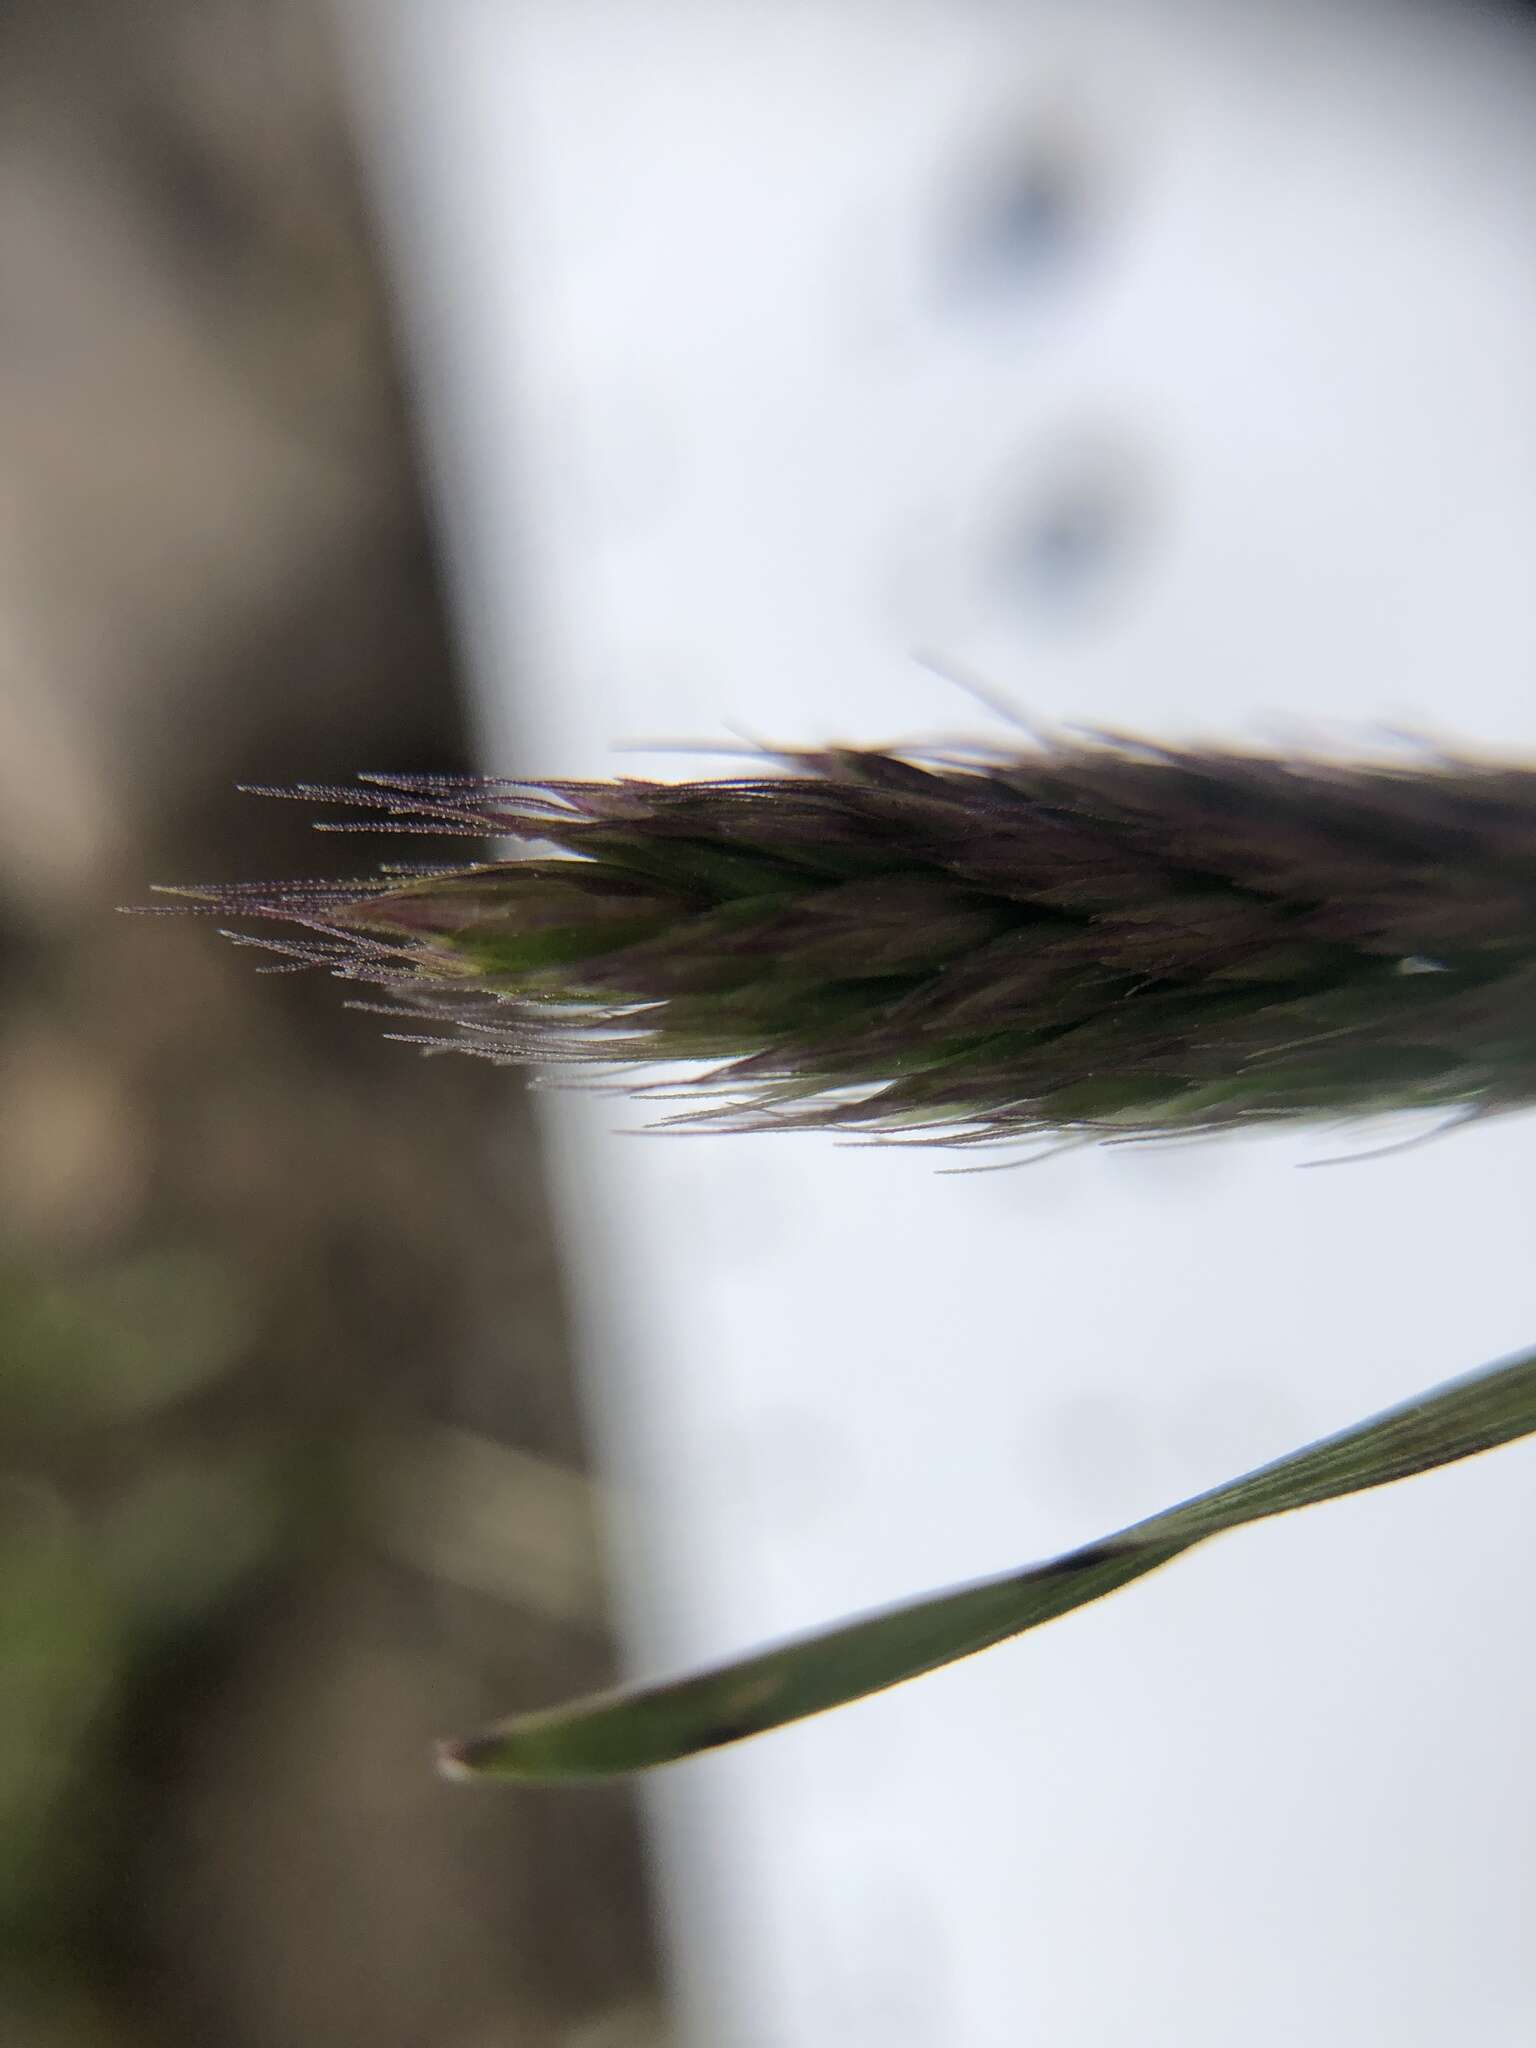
[1025, 220]
[206, 215]
[1070, 535]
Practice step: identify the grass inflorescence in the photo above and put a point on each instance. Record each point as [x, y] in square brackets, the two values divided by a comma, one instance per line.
[1088, 937]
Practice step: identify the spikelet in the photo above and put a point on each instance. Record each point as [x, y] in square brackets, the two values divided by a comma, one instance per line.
[1091, 938]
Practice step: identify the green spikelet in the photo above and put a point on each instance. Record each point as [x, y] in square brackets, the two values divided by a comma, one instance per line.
[1103, 937]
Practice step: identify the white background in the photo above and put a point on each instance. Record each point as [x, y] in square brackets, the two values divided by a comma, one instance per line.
[746, 385]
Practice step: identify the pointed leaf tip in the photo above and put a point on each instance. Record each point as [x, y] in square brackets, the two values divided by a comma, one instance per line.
[453, 1761]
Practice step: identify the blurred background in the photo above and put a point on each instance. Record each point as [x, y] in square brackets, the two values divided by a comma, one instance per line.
[496, 383]
[290, 1474]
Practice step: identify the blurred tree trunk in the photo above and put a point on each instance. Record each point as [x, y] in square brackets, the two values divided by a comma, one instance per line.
[293, 1477]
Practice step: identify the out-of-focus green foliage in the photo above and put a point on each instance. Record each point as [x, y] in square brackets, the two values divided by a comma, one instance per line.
[116, 1341]
[113, 1535]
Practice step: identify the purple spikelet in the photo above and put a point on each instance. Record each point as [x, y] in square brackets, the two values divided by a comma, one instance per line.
[1104, 937]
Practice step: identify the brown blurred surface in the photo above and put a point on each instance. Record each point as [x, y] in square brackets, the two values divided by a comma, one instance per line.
[291, 1479]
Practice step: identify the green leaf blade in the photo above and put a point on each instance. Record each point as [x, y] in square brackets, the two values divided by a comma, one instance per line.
[617, 1733]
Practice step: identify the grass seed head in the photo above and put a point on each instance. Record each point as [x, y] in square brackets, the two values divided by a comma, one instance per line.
[1104, 937]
